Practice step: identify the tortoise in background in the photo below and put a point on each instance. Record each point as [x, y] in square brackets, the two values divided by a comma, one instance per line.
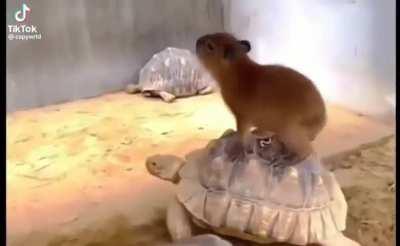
[173, 73]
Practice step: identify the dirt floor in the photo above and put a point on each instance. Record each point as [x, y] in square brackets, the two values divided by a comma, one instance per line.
[367, 179]
[75, 173]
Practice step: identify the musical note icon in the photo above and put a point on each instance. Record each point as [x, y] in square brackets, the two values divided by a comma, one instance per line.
[20, 15]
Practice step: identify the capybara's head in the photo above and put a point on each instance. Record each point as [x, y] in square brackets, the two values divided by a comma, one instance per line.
[219, 50]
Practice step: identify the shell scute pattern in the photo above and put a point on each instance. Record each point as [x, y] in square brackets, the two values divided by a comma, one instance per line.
[305, 205]
[176, 71]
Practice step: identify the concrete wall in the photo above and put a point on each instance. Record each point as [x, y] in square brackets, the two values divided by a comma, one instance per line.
[346, 46]
[91, 47]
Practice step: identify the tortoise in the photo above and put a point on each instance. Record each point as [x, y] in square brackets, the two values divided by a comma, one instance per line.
[173, 73]
[248, 200]
[200, 240]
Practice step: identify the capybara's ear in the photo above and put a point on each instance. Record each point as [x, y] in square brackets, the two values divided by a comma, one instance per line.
[245, 44]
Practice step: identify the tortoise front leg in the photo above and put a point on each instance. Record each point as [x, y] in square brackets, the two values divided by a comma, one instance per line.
[203, 240]
[167, 97]
[206, 90]
[339, 239]
[178, 221]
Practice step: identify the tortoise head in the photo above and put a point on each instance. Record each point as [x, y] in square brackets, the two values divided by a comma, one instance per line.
[165, 167]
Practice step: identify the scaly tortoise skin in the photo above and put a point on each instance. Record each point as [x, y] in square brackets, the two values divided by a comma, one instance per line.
[173, 73]
[247, 198]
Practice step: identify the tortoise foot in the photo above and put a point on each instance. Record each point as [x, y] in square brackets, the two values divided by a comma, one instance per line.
[203, 240]
[205, 91]
[167, 97]
[341, 240]
[178, 221]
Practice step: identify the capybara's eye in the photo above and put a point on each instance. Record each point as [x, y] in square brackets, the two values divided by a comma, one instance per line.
[210, 46]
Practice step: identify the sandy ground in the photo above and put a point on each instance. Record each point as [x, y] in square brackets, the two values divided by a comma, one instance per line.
[75, 173]
[366, 176]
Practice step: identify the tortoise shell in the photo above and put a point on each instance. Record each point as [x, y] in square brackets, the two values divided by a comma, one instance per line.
[248, 199]
[176, 71]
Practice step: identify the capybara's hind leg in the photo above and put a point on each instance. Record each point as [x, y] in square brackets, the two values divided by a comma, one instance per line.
[296, 140]
[314, 126]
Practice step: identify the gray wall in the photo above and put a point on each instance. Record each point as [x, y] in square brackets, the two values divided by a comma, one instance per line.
[346, 46]
[91, 47]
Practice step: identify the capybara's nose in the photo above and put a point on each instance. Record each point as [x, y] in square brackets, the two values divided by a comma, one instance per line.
[200, 41]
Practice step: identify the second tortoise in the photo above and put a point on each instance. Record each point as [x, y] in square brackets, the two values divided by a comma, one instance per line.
[173, 73]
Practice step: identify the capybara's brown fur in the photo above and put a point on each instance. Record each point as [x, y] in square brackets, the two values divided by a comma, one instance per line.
[272, 98]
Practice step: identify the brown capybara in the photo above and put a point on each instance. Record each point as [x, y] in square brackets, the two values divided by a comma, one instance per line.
[268, 98]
